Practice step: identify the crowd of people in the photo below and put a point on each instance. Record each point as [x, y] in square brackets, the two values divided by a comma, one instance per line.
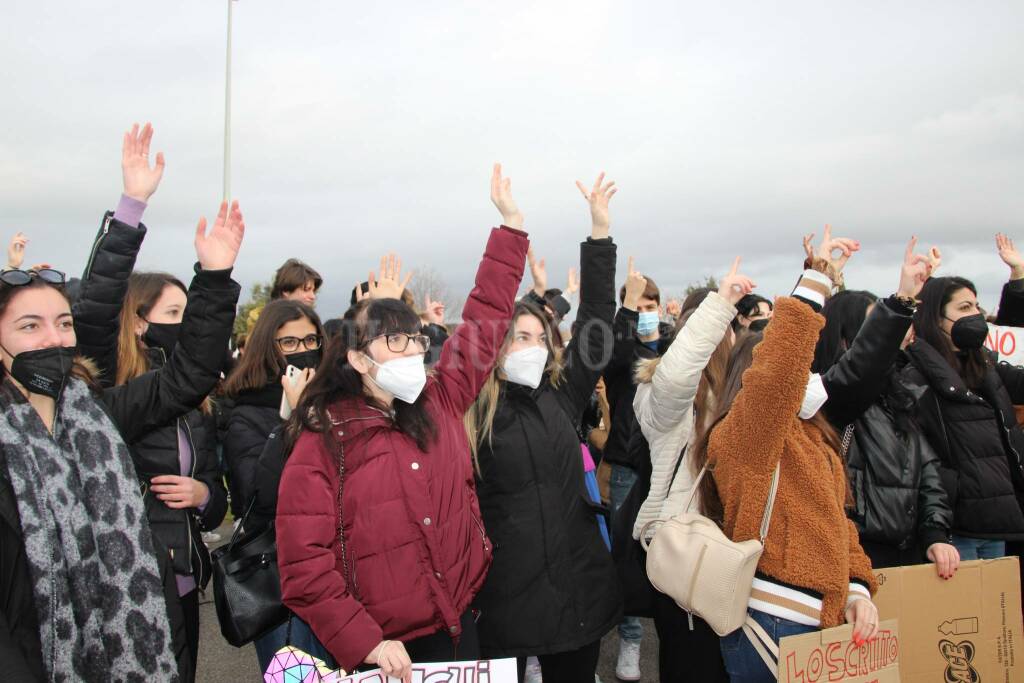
[445, 492]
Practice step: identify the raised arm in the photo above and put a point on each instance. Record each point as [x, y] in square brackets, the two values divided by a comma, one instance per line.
[591, 347]
[112, 259]
[470, 354]
[1011, 303]
[854, 382]
[675, 381]
[192, 371]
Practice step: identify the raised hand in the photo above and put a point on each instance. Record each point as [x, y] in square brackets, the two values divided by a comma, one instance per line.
[573, 285]
[674, 308]
[598, 197]
[635, 286]
[934, 261]
[539, 273]
[140, 180]
[16, 250]
[1010, 256]
[501, 195]
[914, 272]
[433, 311]
[390, 284]
[826, 256]
[218, 249]
[734, 286]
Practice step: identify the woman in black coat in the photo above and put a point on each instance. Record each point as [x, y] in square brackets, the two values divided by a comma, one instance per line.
[137, 407]
[552, 590]
[899, 505]
[965, 406]
[133, 325]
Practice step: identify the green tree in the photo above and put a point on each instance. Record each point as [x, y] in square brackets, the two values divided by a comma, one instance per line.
[258, 298]
[710, 283]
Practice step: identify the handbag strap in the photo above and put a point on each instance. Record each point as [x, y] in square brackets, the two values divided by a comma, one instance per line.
[844, 448]
[341, 524]
[241, 524]
[763, 644]
[768, 506]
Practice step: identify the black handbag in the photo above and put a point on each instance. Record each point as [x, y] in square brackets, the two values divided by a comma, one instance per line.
[247, 585]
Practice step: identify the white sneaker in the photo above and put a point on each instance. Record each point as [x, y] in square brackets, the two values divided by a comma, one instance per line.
[628, 666]
[532, 671]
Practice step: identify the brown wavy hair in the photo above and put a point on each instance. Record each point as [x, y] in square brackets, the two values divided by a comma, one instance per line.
[741, 358]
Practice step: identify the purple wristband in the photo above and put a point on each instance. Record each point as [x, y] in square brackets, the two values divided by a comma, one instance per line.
[129, 211]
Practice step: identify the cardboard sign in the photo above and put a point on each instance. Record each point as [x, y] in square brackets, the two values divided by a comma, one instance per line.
[1007, 342]
[831, 655]
[965, 629]
[484, 671]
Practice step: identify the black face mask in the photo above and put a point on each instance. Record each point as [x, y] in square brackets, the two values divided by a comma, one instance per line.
[44, 371]
[969, 333]
[304, 359]
[759, 324]
[162, 336]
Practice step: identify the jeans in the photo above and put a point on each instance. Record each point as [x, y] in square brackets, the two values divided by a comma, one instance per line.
[301, 637]
[622, 481]
[742, 662]
[979, 548]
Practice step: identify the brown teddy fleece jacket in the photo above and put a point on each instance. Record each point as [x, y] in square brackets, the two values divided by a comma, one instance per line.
[811, 544]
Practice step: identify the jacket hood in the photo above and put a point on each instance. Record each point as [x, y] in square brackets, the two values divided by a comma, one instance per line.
[643, 370]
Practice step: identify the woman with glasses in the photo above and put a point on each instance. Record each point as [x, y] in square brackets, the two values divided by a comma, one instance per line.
[379, 539]
[86, 590]
[288, 332]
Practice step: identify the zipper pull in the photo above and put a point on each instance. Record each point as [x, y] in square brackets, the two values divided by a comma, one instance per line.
[689, 618]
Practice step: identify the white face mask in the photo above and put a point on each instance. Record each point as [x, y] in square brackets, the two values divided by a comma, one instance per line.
[526, 366]
[815, 397]
[403, 377]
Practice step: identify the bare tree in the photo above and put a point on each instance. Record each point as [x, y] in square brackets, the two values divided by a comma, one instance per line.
[429, 282]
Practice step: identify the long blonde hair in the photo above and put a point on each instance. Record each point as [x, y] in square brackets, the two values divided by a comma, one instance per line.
[144, 290]
[479, 419]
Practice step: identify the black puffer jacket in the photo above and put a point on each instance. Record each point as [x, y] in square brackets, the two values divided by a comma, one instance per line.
[552, 586]
[185, 380]
[255, 415]
[977, 438]
[893, 472]
[1011, 304]
[620, 385]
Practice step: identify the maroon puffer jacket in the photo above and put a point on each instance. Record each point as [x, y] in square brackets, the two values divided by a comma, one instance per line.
[416, 547]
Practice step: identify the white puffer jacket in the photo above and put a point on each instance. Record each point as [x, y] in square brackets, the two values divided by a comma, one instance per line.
[666, 389]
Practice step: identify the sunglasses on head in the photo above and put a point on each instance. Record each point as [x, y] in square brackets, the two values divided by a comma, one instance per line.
[17, 278]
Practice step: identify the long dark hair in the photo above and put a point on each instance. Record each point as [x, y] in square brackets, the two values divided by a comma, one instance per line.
[970, 364]
[742, 357]
[263, 361]
[336, 379]
[844, 313]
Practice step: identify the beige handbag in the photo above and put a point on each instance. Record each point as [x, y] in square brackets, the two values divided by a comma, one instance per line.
[693, 562]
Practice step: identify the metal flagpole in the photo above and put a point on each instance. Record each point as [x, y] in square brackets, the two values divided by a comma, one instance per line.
[227, 114]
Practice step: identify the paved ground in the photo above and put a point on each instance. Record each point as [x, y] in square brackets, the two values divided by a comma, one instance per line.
[220, 662]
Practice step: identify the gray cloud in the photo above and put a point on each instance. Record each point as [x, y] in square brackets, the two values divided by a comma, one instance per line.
[731, 129]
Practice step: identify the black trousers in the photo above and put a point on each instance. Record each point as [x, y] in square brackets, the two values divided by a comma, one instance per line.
[439, 647]
[576, 666]
[685, 655]
[190, 607]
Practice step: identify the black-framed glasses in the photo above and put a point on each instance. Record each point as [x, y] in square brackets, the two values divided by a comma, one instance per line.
[17, 277]
[310, 342]
[398, 342]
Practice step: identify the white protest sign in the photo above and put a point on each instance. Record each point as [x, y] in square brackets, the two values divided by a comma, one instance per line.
[1007, 342]
[483, 671]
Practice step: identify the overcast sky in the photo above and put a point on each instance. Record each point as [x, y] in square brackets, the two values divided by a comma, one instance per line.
[731, 128]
